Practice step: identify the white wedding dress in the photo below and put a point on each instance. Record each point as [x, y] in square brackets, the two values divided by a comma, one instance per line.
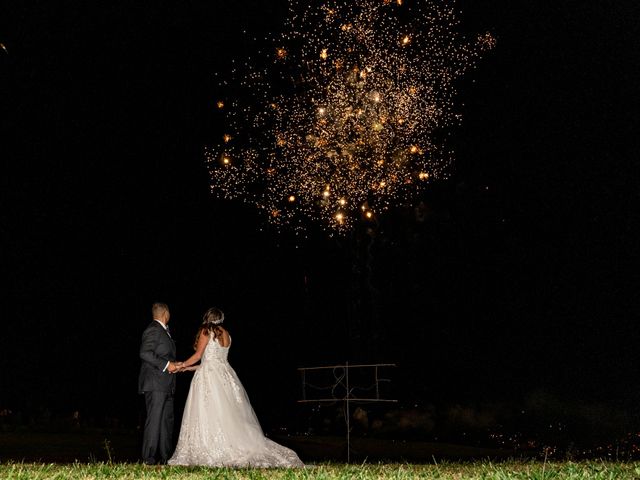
[219, 427]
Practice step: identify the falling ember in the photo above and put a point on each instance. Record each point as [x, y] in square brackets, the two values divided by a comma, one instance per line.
[220, 104]
[487, 40]
[365, 90]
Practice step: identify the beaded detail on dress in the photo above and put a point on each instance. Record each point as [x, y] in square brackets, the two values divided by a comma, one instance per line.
[219, 426]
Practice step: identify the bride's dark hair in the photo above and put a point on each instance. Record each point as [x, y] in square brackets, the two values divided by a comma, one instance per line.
[211, 321]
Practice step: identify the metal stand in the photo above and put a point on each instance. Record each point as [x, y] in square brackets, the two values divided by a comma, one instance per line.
[348, 398]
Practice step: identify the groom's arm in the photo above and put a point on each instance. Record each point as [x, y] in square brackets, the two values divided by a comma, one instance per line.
[147, 350]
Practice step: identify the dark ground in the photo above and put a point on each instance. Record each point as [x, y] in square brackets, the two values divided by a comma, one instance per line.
[123, 447]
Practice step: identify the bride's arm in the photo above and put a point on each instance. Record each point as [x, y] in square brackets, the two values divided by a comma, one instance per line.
[202, 344]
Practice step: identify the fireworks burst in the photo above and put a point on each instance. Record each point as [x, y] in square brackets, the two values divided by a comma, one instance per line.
[344, 122]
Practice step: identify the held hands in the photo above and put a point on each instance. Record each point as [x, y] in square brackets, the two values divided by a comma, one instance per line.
[179, 367]
[175, 367]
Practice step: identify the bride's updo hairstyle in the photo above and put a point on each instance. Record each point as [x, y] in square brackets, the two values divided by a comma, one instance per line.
[211, 323]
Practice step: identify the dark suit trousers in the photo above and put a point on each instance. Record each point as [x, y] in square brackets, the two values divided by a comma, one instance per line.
[158, 429]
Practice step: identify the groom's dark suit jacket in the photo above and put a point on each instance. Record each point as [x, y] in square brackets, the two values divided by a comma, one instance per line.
[157, 348]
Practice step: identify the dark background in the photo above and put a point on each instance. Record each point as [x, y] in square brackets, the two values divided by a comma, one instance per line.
[522, 277]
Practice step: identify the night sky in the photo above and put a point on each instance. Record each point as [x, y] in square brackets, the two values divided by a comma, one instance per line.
[520, 276]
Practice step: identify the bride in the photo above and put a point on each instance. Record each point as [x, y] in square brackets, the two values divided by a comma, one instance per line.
[219, 426]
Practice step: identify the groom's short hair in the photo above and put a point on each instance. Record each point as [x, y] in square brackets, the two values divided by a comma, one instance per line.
[157, 308]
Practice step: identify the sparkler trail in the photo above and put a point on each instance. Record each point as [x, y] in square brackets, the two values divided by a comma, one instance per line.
[344, 122]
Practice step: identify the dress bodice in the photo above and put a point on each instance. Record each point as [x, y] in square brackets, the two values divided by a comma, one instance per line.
[215, 352]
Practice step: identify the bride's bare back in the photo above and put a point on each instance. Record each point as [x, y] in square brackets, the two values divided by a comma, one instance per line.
[224, 339]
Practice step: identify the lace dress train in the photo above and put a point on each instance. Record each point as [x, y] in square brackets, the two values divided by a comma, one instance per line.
[219, 426]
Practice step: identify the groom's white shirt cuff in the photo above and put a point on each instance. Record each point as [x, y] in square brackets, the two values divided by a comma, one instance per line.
[165, 329]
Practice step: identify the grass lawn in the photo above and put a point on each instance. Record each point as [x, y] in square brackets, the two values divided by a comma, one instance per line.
[474, 470]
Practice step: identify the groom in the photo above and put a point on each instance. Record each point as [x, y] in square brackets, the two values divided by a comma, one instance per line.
[158, 384]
